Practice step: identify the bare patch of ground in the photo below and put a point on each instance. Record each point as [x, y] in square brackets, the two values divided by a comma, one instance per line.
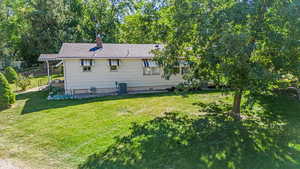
[11, 164]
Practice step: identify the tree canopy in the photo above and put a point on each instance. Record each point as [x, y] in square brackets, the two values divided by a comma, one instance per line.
[244, 45]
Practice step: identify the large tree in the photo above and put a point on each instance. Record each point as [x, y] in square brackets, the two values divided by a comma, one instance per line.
[44, 19]
[245, 45]
[147, 23]
[11, 27]
[104, 17]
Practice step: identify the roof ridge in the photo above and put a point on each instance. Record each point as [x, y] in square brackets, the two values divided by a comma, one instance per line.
[113, 43]
[117, 50]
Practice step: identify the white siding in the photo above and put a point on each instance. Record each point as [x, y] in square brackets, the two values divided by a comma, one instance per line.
[130, 71]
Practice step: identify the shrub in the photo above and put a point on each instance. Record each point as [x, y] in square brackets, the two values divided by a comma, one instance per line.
[7, 97]
[56, 91]
[10, 74]
[214, 107]
[290, 91]
[23, 82]
[191, 85]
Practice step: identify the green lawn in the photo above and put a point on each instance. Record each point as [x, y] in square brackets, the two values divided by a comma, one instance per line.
[64, 134]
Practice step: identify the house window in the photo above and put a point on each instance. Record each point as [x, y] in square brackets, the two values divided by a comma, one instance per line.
[147, 71]
[86, 64]
[155, 70]
[185, 66]
[114, 64]
[184, 70]
[150, 68]
[86, 68]
[113, 68]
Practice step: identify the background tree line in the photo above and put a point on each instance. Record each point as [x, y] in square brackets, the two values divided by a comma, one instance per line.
[31, 27]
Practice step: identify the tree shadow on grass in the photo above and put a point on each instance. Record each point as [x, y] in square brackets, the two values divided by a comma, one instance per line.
[285, 108]
[37, 101]
[279, 106]
[212, 142]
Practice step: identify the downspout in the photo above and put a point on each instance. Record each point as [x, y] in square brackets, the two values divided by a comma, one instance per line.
[65, 76]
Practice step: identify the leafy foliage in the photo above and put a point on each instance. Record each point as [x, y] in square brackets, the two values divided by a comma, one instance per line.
[30, 28]
[214, 107]
[148, 24]
[23, 82]
[7, 97]
[245, 45]
[10, 74]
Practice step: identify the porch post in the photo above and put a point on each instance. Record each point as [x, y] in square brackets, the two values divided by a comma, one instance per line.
[48, 72]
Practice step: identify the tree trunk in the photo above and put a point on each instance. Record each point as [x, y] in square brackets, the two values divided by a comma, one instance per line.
[236, 108]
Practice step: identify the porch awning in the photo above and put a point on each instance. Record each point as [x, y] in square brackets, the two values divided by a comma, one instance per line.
[48, 57]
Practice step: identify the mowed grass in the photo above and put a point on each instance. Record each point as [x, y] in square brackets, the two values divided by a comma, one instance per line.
[62, 134]
[268, 137]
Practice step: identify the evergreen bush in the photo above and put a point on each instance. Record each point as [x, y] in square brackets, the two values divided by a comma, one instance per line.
[7, 97]
[10, 74]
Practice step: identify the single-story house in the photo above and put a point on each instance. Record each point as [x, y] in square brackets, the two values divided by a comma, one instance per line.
[103, 66]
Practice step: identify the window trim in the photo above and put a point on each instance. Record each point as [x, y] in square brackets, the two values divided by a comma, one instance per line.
[144, 71]
[113, 70]
[182, 70]
[177, 70]
[114, 65]
[87, 67]
[155, 73]
[90, 69]
[148, 64]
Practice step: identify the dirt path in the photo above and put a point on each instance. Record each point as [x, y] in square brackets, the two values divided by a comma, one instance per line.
[10, 164]
[33, 90]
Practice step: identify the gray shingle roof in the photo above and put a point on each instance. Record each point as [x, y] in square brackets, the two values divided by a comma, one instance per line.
[81, 50]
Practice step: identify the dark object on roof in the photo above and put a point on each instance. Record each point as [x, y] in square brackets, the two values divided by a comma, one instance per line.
[94, 49]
